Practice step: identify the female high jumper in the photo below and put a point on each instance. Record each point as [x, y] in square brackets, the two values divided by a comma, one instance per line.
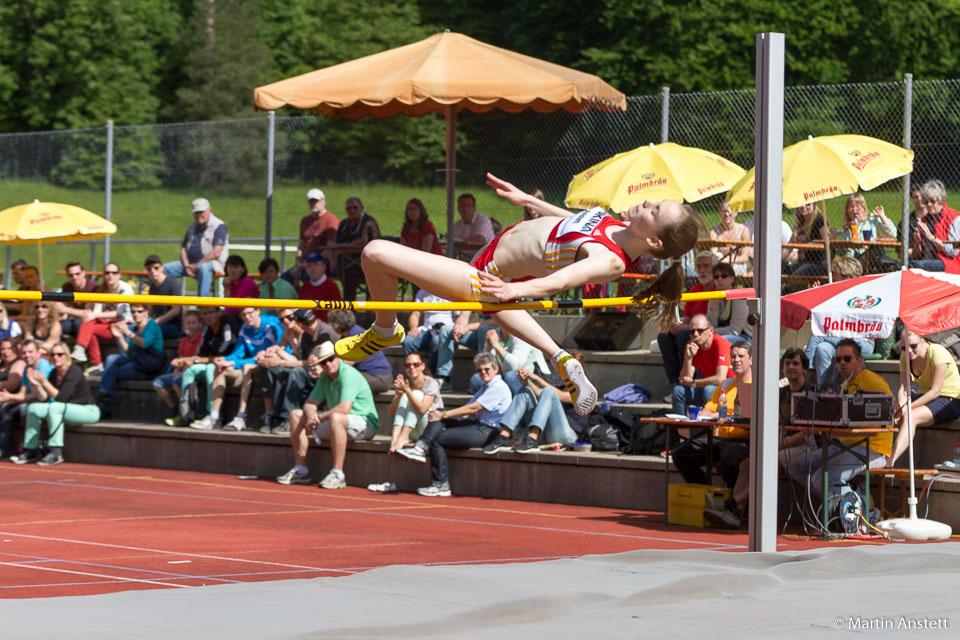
[532, 259]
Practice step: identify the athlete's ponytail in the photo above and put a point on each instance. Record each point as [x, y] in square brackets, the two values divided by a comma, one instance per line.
[663, 294]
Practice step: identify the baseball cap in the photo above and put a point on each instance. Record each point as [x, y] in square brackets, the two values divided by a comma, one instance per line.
[315, 194]
[315, 256]
[152, 259]
[200, 204]
[303, 315]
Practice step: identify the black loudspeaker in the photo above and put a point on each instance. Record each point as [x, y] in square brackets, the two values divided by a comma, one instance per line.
[608, 331]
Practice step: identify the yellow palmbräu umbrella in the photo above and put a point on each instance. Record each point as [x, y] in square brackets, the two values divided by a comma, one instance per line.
[49, 222]
[666, 171]
[828, 167]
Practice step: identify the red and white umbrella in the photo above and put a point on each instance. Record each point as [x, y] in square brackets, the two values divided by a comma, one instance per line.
[868, 306]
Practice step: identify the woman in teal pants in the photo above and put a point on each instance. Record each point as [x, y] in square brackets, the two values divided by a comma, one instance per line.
[64, 397]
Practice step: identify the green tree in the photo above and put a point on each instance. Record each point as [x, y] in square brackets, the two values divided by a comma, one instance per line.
[68, 65]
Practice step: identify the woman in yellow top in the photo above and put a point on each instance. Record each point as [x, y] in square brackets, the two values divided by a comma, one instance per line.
[933, 368]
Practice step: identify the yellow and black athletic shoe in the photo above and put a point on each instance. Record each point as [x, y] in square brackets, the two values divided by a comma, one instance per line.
[366, 344]
[582, 392]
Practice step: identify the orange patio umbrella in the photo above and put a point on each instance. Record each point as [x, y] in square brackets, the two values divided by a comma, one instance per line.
[444, 73]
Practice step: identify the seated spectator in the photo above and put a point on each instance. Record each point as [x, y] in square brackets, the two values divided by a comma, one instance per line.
[786, 235]
[432, 331]
[186, 350]
[272, 286]
[810, 225]
[729, 229]
[71, 313]
[219, 338]
[11, 366]
[732, 512]
[356, 231]
[237, 284]
[512, 355]
[934, 371]
[141, 356]
[9, 328]
[282, 368]
[14, 309]
[318, 229]
[62, 396]
[166, 316]
[478, 424]
[820, 350]
[731, 443]
[538, 406]
[847, 461]
[318, 286]
[729, 317]
[99, 316]
[375, 369]
[931, 246]
[257, 333]
[857, 222]
[472, 230]
[350, 415]
[204, 248]
[13, 405]
[706, 363]
[418, 232]
[43, 325]
[674, 340]
[417, 395]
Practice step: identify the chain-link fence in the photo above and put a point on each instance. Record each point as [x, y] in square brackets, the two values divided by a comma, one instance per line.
[157, 170]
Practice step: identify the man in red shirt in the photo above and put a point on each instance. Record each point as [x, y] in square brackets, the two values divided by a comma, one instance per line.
[673, 342]
[317, 229]
[706, 363]
[318, 286]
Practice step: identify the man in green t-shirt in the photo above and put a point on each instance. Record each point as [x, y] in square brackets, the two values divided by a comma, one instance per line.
[350, 415]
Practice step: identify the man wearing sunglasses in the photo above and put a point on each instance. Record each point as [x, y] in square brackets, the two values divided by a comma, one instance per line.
[706, 363]
[674, 340]
[71, 314]
[844, 465]
[283, 369]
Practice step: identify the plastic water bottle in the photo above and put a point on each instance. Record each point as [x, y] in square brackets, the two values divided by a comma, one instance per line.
[722, 405]
[956, 455]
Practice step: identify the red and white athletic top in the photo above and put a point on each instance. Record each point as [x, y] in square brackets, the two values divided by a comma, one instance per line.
[575, 231]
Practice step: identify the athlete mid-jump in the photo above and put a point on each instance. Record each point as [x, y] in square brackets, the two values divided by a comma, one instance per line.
[531, 259]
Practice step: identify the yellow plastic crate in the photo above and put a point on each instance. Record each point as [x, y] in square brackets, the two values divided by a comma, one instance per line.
[686, 502]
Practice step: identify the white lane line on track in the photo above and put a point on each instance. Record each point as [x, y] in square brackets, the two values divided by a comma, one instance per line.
[95, 575]
[717, 545]
[172, 553]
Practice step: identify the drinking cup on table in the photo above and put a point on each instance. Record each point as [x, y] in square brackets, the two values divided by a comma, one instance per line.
[693, 412]
[867, 235]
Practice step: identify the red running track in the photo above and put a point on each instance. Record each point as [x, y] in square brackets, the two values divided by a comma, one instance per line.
[79, 529]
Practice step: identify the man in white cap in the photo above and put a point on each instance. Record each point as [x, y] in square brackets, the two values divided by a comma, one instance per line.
[318, 229]
[204, 248]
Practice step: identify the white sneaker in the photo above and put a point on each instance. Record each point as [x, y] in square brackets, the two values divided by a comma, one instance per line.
[237, 424]
[436, 490]
[97, 368]
[582, 392]
[79, 354]
[294, 477]
[334, 480]
[414, 453]
[206, 424]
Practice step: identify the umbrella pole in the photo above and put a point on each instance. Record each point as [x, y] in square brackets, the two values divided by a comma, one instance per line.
[40, 262]
[912, 527]
[450, 116]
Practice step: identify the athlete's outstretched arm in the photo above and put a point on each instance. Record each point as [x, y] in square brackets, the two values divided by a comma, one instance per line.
[599, 268]
[522, 199]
